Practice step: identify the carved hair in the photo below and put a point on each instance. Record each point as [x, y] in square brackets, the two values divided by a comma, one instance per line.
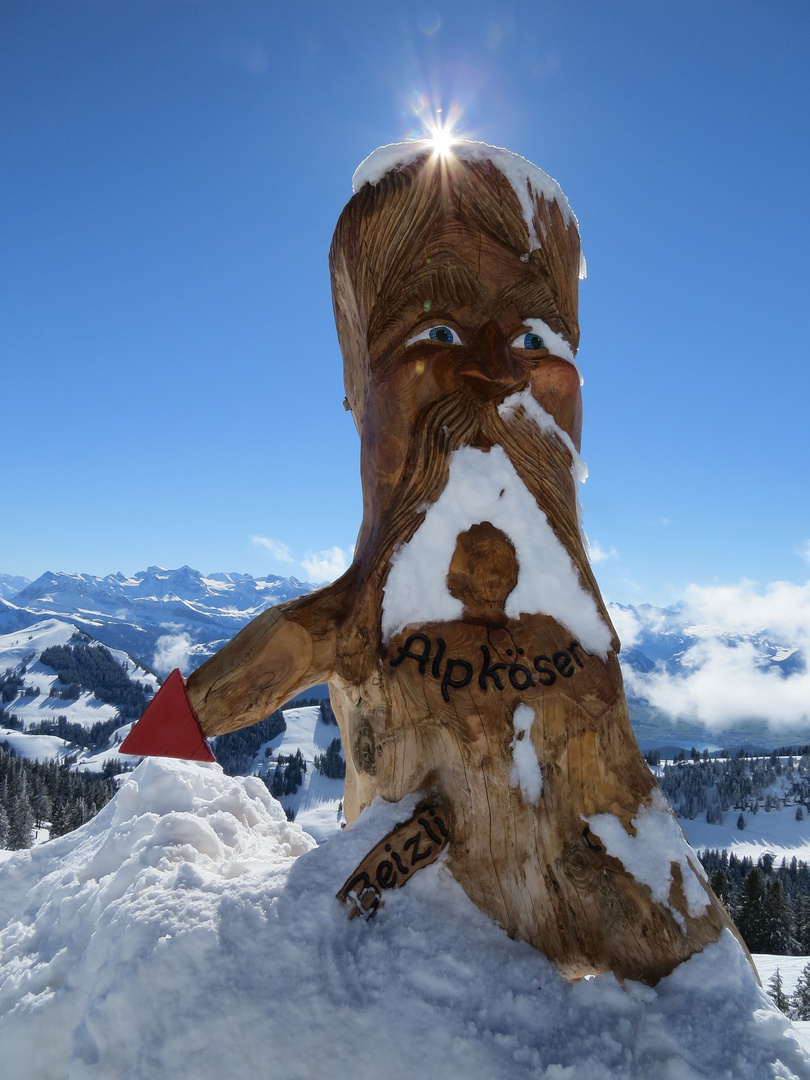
[384, 230]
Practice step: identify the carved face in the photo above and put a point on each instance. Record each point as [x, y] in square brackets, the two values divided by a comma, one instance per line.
[473, 318]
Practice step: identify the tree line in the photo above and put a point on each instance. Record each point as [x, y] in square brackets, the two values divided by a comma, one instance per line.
[769, 903]
[714, 786]
[34, 794]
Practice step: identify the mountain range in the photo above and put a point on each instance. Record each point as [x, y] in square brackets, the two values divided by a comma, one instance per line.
[200, 612]
[166, 618]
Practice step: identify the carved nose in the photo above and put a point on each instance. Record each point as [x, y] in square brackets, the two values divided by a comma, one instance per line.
[490, 366]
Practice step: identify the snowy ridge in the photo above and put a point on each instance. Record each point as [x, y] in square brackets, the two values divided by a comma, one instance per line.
[189, 917]
[315, 804]
[168, 618]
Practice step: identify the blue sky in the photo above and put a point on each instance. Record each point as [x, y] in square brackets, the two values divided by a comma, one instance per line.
[170, 175]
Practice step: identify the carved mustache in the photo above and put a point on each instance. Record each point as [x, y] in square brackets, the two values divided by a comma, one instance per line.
[541, 460]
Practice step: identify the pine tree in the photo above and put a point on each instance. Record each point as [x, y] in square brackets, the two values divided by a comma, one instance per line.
[20, 821]
[752, 919]
[740, 822]
[803, 924]
[777, 994]
[778, 922]
[800, 1002]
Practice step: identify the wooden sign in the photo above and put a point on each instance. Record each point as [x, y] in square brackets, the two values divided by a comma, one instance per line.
[468, 650]
[407, 849]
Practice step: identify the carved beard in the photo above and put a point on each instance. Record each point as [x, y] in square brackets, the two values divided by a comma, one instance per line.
[541, 459]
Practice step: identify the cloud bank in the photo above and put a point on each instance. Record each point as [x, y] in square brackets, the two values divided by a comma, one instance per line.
[172, 651]
[745, 655]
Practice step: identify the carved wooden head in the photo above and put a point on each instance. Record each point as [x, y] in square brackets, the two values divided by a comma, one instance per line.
[455, 283]
[455, 241]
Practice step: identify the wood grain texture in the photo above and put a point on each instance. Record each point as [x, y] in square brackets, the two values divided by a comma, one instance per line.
[433, 710]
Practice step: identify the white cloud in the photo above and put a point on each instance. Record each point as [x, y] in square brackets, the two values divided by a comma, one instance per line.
[597, 553]
[725, 676]
[171, 651]
[326, 565]
[626, 624]
[276, 548]
[804, 551]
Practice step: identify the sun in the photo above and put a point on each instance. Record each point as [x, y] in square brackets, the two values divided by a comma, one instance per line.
[439, 127]
[442, 139]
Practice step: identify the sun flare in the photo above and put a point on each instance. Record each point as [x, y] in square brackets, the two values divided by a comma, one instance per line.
[439, 127]
[442, 139]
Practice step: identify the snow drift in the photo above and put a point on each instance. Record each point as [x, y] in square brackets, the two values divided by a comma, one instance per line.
[190, 931]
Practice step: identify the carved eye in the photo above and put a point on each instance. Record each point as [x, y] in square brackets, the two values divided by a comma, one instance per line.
[529, 341]
[443, 334]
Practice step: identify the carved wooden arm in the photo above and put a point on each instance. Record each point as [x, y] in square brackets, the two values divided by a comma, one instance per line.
[279, 654]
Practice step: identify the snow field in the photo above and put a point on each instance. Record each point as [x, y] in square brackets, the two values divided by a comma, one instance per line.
[316, 802]
[190, 931]
[774, 831]
[16, 648]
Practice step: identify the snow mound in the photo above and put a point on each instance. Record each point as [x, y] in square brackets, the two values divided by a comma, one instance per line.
[190, 931]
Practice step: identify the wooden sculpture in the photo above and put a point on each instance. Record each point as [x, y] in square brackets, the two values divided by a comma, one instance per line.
[468, 651]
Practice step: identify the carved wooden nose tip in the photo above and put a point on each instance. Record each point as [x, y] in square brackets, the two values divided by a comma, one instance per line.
[490, 369]
[484, 385]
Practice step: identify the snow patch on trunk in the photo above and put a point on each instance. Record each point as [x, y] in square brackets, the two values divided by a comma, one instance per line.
[525, 772]
[649, 855]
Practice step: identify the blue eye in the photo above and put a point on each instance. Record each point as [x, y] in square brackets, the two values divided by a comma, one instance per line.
[529, 341]
[443, 334]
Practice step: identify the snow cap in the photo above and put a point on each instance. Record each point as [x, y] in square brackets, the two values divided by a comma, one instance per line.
[402, 192]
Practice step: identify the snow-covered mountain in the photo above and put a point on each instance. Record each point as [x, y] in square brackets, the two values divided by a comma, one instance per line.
[11, 584]
[162, 617]
[713, 672]
[695, 674]
[65, 696]
[654, 636]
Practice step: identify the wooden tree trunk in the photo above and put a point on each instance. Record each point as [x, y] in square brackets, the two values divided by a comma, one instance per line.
[457, 667]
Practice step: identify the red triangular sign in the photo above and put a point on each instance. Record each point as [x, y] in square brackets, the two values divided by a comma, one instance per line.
[169, 727]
